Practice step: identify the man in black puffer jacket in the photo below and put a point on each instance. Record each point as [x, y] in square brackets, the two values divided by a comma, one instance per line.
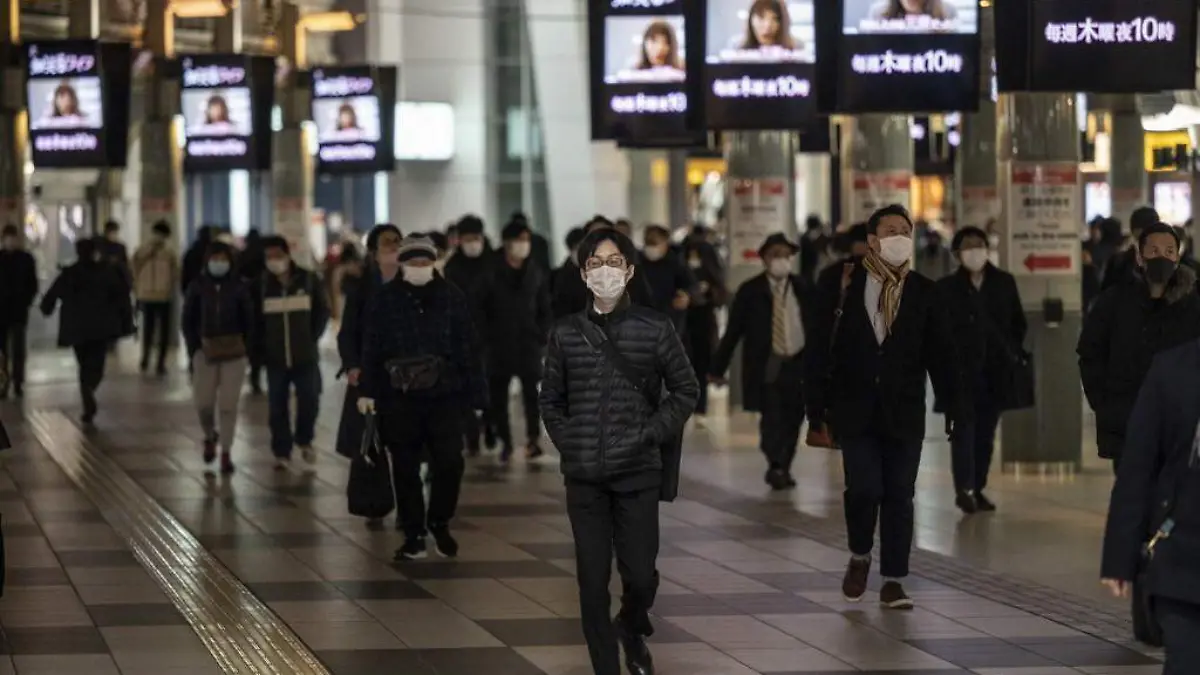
[604, 367]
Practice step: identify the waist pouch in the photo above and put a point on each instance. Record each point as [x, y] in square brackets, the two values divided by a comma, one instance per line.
[223, 348]
[416, 373]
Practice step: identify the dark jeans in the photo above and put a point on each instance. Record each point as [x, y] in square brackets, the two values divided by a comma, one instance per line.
[91, 357]
[256, 368]
[472, 429]
[13, 345]
[411, 428]
[972, 446]
[280, 380]
[501, 376]
[1180, 622]
[156, 322]
[603, 521]
[782, 416]
[881, 479]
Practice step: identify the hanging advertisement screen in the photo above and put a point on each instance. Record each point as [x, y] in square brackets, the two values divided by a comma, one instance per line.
[645, 59]
[759, 65]
[896, 56]
[225, 101]
[353, 109]
[1112, 46]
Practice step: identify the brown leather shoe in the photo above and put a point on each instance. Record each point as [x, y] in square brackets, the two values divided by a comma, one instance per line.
[854, 584]
[892, 596]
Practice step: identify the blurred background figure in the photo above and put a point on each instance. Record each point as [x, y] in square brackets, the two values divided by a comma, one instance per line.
[18, 290]
[155, 275]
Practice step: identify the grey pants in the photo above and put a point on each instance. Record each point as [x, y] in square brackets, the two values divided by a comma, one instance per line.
[217, 388]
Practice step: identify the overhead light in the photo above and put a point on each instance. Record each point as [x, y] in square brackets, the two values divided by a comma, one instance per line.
[330, 22]
[199, 9]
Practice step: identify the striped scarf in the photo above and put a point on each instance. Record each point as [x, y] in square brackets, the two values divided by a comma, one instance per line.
[892, 279]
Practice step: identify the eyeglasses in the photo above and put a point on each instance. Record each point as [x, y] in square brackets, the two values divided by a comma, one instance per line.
[611, 261]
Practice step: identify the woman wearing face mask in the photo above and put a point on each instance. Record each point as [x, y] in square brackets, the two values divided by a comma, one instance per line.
[420, 370]
[617, 385]
[383, 243]
[878, 332]
[771, 313]
[704, 263]
[1153, 309]
[218, 317]
[989, 330]
[468, 269]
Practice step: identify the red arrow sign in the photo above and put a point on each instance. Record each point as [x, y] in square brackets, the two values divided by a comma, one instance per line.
[1035, 263]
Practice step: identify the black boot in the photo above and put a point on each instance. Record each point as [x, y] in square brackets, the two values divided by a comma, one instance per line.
[637, 654]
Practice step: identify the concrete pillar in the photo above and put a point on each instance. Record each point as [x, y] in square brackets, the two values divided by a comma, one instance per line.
[1042, 208]
[649, 186]
[877, 165]
[1128, 182]
[12, 124]
[760, 201]
[161, 175]
[292, 186]
[678, 212]
[83, 23]
[979, 199]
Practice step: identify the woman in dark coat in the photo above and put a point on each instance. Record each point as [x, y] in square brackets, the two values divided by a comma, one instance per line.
[1156, 498]
[95, 311]
[710, 295]
[383, 244]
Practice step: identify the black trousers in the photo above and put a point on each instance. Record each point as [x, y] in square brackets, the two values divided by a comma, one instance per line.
[782, 415]
[604, 521]
[1180, 622]
[409, 429]
[472, 429]
[90, 356]
[501, 376]
[881, 480]
[156, 323]
[974, 443]
[13, 344]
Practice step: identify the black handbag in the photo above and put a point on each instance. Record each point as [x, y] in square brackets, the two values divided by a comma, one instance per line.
[1019, 391]
[369, 490]
[351, 426]
[670, 449]
[1146, 628]
[415, 373]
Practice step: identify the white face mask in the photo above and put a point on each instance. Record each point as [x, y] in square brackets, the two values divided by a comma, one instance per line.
[519, 249]
[472, 249]
[896, 249]
[655, 253]
[779, 267]
[417, 276]
[974, 258]
[607, 282]
[278, 266]
[695, 263]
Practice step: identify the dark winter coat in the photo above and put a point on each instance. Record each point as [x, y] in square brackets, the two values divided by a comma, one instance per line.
[988, 326]
[291, 319]
[95, 304]
[216, 307]
[750, 322]
[666, 278]
[866, 388]
[1121, 335]
[1155, 477]
[18, 286]
[514, 312]
[406, 321]
[604, 428]
[354, 317]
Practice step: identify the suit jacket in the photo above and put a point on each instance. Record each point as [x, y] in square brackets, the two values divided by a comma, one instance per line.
[861, 387]
[750, 320]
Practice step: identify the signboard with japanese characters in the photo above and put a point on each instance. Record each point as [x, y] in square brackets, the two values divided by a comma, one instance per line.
[758, 208]
[1107, 45]
[1045, 214]
[873, 190]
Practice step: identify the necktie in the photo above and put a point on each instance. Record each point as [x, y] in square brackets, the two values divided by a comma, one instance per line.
[779, 343]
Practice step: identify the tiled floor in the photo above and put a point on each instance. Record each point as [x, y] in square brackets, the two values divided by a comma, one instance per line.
[750, 580]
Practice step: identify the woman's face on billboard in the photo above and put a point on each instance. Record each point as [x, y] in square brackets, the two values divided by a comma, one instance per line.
[64, 102]
[346, 119]
[765, 25]
[658, 49]
[913, 6]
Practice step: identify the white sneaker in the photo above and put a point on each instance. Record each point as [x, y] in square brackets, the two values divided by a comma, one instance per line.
[309, 454]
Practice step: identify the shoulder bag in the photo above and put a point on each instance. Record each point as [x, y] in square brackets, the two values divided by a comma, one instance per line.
[1019, 389]
[821, 435]
[369, 490]
[670, 449]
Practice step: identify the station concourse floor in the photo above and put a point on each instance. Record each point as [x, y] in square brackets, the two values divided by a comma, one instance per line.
[123, 557]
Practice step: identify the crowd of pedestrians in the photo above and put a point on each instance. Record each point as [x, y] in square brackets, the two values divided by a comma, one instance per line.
[613, 351]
